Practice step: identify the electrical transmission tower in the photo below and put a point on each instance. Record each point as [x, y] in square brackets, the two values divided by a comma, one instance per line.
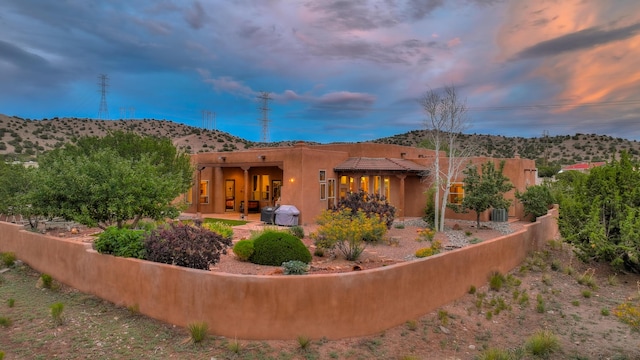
[264, 107]
[103, 113]
[208, 118]
[545, 152]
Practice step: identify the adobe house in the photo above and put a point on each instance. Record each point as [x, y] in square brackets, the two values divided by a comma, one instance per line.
[314, 177]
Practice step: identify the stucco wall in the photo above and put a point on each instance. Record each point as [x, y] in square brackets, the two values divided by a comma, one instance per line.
[278, 307]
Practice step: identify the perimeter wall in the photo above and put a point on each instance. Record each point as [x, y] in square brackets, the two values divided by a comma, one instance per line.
[279, 307]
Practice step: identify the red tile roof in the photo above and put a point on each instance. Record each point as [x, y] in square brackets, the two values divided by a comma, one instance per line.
[583, 166]
[379, 164]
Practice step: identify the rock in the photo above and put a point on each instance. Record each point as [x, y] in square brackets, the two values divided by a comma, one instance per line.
[357, 268]
[444, 329]
[472, 347]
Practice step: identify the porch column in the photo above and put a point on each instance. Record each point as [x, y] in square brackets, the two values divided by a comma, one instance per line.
[245, 197]
[218, 190]
[401, 203]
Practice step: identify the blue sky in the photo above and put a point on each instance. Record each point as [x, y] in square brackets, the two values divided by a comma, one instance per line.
[335, 70]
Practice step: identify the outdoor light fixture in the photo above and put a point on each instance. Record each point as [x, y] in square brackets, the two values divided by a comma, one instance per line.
[223, 158]
[261, 157]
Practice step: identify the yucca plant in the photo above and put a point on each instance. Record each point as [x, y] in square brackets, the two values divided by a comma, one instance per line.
[543, 343]
[303, 342]
[198, 331]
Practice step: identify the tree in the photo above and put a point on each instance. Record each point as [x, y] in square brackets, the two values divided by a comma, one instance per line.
[484, 190]
[536, 200]
[599, 213]
[446, 118]
[114, 179]
[16, 187]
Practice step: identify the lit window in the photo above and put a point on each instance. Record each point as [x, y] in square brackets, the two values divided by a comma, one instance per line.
[364, 183]
[387, 188]
[456, 193]
[331, 189]
[204, 192]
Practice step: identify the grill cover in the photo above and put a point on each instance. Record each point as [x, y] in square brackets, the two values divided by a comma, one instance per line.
[287, 215]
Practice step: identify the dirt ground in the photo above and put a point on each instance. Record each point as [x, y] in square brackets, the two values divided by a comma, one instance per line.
[547, 292]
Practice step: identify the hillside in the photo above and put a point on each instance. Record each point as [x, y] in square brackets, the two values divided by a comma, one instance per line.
[23, 139]
[563, 149]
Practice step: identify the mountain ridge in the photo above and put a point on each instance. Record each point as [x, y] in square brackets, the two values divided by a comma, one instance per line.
[23, 139]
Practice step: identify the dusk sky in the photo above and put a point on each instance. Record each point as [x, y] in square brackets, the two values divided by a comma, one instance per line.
[336, 70]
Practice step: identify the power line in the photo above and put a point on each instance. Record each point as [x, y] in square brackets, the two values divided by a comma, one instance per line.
[264, 107]
[103, 113]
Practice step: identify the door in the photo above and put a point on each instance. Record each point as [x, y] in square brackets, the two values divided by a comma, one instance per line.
[230, 195]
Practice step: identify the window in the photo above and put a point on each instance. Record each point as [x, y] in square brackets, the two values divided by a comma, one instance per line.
[260, 187]
[364, 183]
[204, 191]
[323, 184]
[387, 188]
[456, 193]
[331, 196]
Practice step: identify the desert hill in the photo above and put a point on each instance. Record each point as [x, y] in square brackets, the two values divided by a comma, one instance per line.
[24, 139]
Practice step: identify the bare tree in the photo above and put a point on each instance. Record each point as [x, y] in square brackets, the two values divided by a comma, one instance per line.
[446, 119]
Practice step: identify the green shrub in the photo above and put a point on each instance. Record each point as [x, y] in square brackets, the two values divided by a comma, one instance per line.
[273, 248]
[297, 231]
[219, 228]
[11, 302]
[184, 245]
[5, 321]
[542, 343]
[121, 242]
[56, 313]
[494, 354]
[243, 249]
[540, 305]
[496, 280]
[47, 281]
[8, 259]
[295, 267]
[430, 208]
[536, 200]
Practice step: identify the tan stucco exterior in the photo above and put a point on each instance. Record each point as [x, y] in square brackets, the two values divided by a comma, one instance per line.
[298, 170]
[278, 307]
